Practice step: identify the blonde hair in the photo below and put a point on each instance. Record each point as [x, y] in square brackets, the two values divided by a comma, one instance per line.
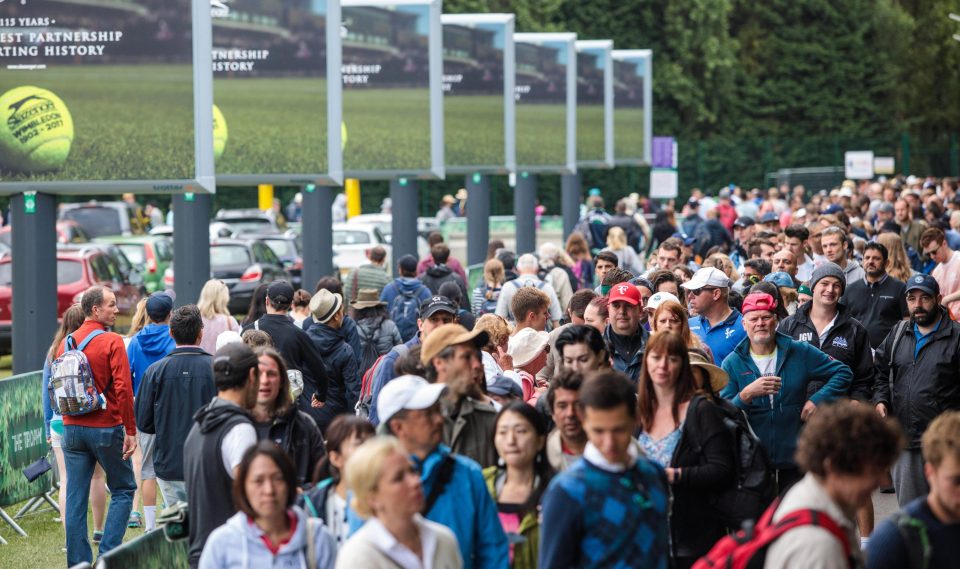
[722, 262]
[493, 273]
[140, 318]
[897, 264]
[497, 329]
[365, 468]
[213, 299]
[616, 238]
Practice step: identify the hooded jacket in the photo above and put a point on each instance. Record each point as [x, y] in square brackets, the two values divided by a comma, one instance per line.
[381, 331]
[926, 382]
[340, 365]
[298, 352]
[798, 363]
[298, 435]
[847, 341]
[629, 367]
[408, 285]
[208, 484]
[149, 345]
[439, 274]
[239, 543]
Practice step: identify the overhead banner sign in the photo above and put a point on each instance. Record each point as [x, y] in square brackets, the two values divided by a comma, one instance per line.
[546, 96]
[595, 126]
[392, 89]
[105, 96]
[277, 90]
[632, 103]
[478, 84]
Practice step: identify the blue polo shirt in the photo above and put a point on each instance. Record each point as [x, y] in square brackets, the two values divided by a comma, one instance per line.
[922, 339]
[723, 337]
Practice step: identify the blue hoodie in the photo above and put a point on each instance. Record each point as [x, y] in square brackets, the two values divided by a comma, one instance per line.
[150, 345]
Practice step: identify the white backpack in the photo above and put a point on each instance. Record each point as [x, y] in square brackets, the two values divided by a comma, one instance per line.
[72, 388]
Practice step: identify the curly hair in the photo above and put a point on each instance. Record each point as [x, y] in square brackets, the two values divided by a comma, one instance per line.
[868, 440]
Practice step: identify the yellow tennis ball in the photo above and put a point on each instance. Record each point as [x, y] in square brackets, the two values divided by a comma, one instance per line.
[36, 130]
[343, 135]
[220, 134]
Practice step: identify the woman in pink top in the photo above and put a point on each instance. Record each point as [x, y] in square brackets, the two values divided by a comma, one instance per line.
[213, 311]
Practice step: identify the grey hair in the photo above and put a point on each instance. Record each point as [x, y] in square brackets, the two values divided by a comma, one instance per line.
[527, 262]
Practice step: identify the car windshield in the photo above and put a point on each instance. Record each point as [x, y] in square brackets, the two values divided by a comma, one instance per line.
[96, 221]
[133, 252]
[282, 247]
[250, 225]
[67, 272]
[228, 255]
[348, 237]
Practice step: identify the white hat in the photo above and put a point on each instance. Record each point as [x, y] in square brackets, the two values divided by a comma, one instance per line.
[325, 305]
[846, 193]
[228, 337]
[708, 276]
[659, 298]
[802, 212]
[526, 345]
[407, 392]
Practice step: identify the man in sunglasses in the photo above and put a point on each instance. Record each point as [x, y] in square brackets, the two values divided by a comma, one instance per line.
[720, 326]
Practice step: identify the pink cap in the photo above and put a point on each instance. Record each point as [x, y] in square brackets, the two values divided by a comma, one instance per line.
[759, 301]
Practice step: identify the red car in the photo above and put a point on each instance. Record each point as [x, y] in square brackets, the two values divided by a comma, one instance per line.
[67, 232]
[77, 270]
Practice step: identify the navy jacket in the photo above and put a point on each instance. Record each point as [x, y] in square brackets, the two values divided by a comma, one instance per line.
[340, 366]
[172, 390]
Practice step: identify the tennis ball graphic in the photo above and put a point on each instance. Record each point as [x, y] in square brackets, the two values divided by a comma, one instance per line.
[343, 135]
[220, 134]
[36, 130]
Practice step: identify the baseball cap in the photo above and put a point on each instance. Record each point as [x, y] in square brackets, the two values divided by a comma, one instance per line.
[450, 335]
[625, 292]
[758, 301]
[926, 283]
[707, 276]
[407, 392]
[724, 193]
[504, 386]
[687, 240]
[769, 217]
[526, 345]
[408, 263]
[659, 298]
[435, 304]
[804, 289]
[228, 337]
[886, 207]
[780, 278]
[833, 208]
[593, 192]
[159, 305]
[280, 293]
[233, 361]
[846, 192]
[745, 221]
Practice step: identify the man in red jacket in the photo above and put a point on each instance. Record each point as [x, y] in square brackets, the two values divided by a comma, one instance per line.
[107, 436]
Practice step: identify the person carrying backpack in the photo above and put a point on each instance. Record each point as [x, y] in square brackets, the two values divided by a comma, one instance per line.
[403, 298]
[527, 266]
[377, 332]
[844, 449]
[485, 296]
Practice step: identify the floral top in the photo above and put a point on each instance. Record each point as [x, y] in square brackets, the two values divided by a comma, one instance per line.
[661, 451]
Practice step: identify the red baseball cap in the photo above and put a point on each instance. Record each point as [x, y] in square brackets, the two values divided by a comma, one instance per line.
[625, 292]
[759, 301]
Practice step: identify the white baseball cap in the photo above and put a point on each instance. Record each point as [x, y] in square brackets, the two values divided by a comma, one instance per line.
[407, 392]
[526, 345]
[659, 298]
[708, 276]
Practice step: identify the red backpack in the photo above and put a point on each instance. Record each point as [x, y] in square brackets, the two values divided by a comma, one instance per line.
[365, 400]
[747, 549]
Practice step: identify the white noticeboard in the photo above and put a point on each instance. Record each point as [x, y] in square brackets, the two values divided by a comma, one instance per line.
[858, 164]
[663, 183]
[885, 165]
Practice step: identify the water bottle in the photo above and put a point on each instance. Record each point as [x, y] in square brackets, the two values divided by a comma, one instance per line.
[103, 402]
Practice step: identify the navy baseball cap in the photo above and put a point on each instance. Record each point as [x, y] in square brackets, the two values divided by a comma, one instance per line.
[159, 305]
[926, 283]
[745, 221]
[769, 217]
[435, 304]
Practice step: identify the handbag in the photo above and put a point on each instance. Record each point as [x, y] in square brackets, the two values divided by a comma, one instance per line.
[37, 468]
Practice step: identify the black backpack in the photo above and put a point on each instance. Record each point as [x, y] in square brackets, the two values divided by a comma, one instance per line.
[753, 489]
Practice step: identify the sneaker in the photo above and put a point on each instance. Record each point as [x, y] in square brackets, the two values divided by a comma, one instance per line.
[135, 521]
[97, 536]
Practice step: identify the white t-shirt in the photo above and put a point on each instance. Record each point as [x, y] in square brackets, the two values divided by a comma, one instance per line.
[235, 443]
[767, 365]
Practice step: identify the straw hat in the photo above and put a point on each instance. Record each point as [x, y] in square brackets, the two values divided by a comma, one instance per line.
[718, 378]
[367, 298]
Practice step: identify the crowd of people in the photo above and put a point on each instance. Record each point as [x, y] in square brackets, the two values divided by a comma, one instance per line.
[629, 399]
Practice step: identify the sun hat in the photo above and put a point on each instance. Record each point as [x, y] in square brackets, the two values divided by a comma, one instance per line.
[526, 345]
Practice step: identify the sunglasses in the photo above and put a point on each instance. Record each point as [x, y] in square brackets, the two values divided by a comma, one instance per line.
[702, 290]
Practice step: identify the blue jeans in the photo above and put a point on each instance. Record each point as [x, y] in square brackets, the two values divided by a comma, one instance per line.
[83, 448]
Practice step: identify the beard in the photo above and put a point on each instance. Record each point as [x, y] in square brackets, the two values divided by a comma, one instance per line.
[923, 317]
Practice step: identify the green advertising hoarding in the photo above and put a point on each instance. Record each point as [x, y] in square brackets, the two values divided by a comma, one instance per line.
[277, 89]
[595, 104]
[632, 104]
[23, 440]
[105, 96]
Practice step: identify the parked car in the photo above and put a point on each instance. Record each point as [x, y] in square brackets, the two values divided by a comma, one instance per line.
[129, 272]
[290, 251]
[149, 254]
[218, 229]
[248, 220]
[67, 232]
[104, 218]
[77, 270]
[242, 264]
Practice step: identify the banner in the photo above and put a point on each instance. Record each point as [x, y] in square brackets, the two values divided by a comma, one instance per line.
[277, 89]
[23, 440]
[632, 104]
[105, 96]
[594, 104]
[149, 551]
[478, 81]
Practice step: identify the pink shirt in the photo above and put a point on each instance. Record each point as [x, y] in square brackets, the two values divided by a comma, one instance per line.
[948, 277]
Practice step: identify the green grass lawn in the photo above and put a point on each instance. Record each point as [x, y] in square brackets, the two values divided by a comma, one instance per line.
[591, 133]
[387, 129]
[628, 133]
[130, 122]
[275, 126]
[474, 132]
[541, 135]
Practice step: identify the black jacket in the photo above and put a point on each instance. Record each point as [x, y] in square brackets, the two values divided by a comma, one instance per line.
[340, 365]
[298, 352]
[847, 342]
[925, 386]
[439, 274]
[172, 390]
[706, 456]
[348, 330]
[297, 434]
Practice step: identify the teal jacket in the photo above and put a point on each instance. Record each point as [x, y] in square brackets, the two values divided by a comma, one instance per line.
[798, 363]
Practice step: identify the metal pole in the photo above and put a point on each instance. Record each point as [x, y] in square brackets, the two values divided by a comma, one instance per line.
[405, 197]
[524, 208]
[317, 234]
[478, 218]
[571, 188]
[191, 245]
[34, 266]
